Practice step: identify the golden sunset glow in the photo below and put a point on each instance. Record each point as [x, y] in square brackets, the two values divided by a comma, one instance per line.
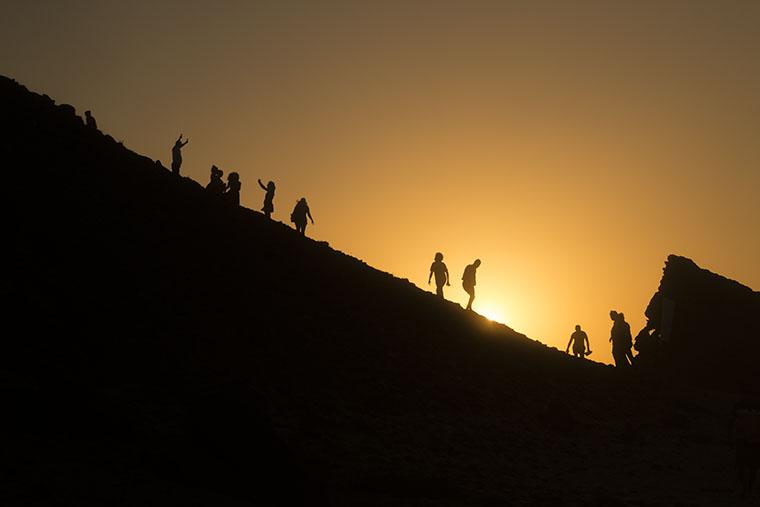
[571, 149]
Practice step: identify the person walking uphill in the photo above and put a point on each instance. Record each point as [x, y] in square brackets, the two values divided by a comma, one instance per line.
[468, 281]
[579, 341]
[177, 154]
[299, 214]
[441, 272]
[620, 336]
[268, 208]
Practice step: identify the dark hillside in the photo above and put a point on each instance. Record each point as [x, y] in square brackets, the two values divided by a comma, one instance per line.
[161, 348]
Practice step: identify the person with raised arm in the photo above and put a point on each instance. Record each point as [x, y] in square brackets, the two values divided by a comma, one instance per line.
[177, 154]
[268, 208]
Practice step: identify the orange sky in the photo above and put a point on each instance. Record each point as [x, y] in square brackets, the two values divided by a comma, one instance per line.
[571, 148]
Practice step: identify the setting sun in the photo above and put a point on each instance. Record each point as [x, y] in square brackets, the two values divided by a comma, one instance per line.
[493, 312]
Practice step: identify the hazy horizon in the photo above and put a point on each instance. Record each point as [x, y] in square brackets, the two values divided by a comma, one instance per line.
[571, 148]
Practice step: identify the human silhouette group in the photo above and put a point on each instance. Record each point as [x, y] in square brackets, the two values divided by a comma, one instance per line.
[620, 334]
[230, 191]
[441, 273]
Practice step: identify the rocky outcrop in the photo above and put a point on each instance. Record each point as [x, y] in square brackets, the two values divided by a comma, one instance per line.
[709, 327]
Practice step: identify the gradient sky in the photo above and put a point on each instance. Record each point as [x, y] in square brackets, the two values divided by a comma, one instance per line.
[570, 145]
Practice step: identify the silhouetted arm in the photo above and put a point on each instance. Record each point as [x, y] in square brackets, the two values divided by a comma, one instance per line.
[262, 185]
[431, 275]
[567, 349]
[447, 276]
[308, 214]
[186, 141]
[588, 345]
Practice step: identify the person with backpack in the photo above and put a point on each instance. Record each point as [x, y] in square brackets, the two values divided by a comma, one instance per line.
[579, 341]
[299, 214]
[268, 208]
[468, 281]
[441, 272]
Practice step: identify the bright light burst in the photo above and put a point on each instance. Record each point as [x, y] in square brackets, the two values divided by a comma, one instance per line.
[493, 313]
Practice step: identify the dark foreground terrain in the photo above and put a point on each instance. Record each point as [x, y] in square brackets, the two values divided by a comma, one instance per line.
[161, 348]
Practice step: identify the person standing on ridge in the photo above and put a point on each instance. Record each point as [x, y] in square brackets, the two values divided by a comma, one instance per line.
[268, 208]
[468, 281]
[620, 336]
[177, 154]
[579, 341]
[89, 120]
[215, 185]
[232, 195]
[299, 214]
[441, 272]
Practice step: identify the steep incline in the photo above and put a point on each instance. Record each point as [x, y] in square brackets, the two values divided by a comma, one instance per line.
[168, 349]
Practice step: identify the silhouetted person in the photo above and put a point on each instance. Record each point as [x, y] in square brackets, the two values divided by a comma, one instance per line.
[468, 281]
[89, 120]
[579, 341]
[268, 208]
[177, 154]
[441, 272]
[232, 195]
[299, 214]
[747, 442]
[215, 185]
[620, 336]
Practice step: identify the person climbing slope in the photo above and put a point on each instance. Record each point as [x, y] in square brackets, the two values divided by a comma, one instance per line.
[579, 341]
[441, 272]
[299, 215]
[469, 282]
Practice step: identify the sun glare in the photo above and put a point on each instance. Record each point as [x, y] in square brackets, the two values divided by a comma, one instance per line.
[492, 313]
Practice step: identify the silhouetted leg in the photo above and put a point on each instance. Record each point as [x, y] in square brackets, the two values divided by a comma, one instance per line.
[303, 229]
[439, 290]
[629, 355]
[621, 361]
[471, 292]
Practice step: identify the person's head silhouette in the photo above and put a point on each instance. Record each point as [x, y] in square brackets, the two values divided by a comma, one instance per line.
[577, 327]
[270, 185]
[476, 263]
[438, 257]
[613, 314]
